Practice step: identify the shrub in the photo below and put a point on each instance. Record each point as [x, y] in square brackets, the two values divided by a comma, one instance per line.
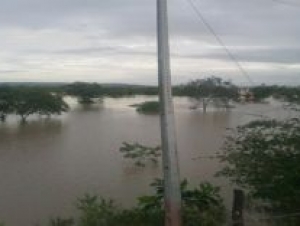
[141, 154]
[61, 222]
[263, 157]
[149, 107]
[202, 206]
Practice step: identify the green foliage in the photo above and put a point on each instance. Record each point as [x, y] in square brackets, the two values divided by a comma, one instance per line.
[61, 222]
[6, 102]
[141, 154]
[263, 157]
[212, 90]
[285, 93]
[97, 212]
[212, 87]
[34, 101]
[27, 101]
[85, 92]
[149, 107]
[50, 104]
[202, 206]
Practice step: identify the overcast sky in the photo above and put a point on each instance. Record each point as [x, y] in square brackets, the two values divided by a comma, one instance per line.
[114, 41]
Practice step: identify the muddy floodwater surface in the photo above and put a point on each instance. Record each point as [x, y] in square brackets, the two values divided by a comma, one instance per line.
[46, 164]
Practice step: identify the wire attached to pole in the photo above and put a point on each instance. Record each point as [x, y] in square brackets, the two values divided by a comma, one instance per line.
[220, 41]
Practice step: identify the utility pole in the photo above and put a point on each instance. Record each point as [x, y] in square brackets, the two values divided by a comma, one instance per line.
[168, 135]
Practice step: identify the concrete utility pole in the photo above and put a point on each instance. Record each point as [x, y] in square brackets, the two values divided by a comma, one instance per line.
[168, 134]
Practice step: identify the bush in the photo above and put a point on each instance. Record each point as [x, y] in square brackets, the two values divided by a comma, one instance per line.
[264, 157]
[61, 222]
[149, 107]
[202, 206]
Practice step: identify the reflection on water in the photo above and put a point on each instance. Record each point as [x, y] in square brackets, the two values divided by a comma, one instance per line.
[46, 164]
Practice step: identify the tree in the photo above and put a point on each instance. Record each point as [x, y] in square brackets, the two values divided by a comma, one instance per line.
[264, 156]
[85, 92]
[211, 90]
[34, 101]
[284, 93]
[6, 102]
[51, 104]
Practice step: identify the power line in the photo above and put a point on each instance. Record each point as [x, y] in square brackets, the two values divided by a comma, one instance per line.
[210, 28]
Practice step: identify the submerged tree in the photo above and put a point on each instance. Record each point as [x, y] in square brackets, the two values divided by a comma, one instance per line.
[6, 102]
[211, 90]
[140, 153]
[51, 104]
[34, 101]
[284, 93]
[148, 107]
[85, 92]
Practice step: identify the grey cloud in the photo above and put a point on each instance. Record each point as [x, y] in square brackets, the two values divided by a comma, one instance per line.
[237, 22]
[108, 50]
[272, 55]
[9, 71]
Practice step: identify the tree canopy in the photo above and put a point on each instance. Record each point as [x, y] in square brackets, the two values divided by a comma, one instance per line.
[285, 93]
[264, 156]
[28, 101]
[85, 92]
[6, 102]
[210, 90]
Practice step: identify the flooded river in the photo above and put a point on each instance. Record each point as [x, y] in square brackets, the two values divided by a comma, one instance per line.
[47, 164]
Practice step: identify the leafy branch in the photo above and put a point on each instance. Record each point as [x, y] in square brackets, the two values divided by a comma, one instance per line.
[140, 153]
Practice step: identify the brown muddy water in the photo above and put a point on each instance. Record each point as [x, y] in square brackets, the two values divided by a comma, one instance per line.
[47, 164]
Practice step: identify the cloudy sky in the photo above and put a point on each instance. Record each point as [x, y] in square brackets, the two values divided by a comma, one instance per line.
[114, 41]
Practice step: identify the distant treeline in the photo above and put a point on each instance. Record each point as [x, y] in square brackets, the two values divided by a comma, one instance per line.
[189, 89]
[47, 99]
[286, 93]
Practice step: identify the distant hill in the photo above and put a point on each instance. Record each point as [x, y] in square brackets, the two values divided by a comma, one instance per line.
[124, 85]
[51, 84]
[31, 84]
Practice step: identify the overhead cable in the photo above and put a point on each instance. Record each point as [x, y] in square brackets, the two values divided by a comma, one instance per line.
[220, 41]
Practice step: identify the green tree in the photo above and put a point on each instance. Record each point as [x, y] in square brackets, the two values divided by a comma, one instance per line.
[6, 102]
[263, 157]
[284, 93]
[211, 90]
[85, 92]
[51, 104]
[35, 101]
